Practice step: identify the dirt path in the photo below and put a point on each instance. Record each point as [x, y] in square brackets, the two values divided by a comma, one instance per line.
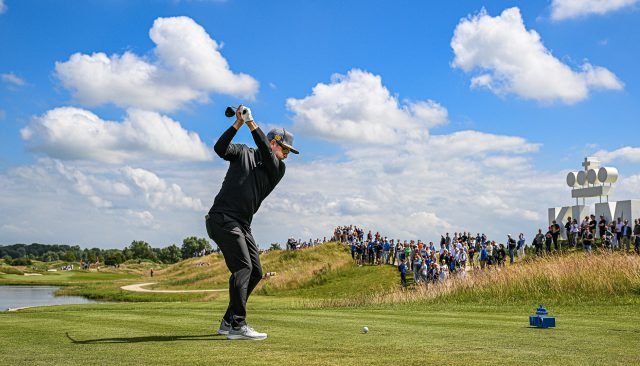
[140, 288]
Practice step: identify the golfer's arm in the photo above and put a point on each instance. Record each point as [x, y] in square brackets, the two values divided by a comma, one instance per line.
[260, 139]
[223, 146]
[272, 164]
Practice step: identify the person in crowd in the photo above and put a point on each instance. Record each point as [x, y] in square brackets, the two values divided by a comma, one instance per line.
[618, 233]
[462, 258]
[407, 252]
[424, 271]
[555, 233]
[587, 241]
[607, 238]
[592, 225]
[417, 266]
[521, 243]
[495, 255]
[602, 226]
[360, 249]
[511, 245]
[502, 255]
[614, 241]
[567, 228]
[401, 253]
[548, 239]
[402, 268]
[484, 257]
[472, 253]
[538, 242]
[626, 236]
[443, 273]
[371, 252]
[636, 233]
[379, 248]
[574, 233]
[353, 250]
[392, 253]
[385, 251]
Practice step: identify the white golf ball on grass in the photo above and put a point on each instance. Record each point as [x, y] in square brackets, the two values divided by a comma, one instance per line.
[365, 329]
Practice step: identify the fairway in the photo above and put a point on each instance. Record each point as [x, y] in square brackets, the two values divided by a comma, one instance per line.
[184, 334]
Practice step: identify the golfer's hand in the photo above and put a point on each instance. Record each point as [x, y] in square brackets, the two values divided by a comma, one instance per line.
[238, 122]
[244, 113]
[238, 115]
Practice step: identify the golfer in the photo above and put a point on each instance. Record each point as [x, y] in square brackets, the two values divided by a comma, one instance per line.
[252, 175]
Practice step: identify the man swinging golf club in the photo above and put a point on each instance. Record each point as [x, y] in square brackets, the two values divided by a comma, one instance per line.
[252, 175]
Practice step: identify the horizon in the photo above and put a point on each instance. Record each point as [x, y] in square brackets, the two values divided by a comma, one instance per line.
[411, 119]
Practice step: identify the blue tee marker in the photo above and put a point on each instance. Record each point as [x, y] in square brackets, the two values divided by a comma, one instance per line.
[541, 319]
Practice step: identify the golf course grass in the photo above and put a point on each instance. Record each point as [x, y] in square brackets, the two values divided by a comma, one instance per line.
[184, 334]
[316, 318]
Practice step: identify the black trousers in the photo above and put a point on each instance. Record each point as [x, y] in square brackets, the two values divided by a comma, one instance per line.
[242, 258]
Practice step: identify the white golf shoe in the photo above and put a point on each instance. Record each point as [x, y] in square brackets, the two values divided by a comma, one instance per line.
[245, 332]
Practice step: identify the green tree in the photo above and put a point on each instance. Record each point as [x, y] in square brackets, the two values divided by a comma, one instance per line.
[141, 250]
[51, 257]
[275, 246]
[127, 253]
[69, 256]
[113, 257]
[192, 246]
[170, 254]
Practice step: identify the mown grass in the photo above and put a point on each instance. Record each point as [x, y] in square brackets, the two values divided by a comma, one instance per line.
[183, 334]
[314, 315]
[64, 278]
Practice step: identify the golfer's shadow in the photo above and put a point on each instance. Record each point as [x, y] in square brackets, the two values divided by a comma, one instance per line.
[178, 338]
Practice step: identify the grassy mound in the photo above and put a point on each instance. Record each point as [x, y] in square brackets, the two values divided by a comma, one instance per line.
[294, 270]
[5, 269]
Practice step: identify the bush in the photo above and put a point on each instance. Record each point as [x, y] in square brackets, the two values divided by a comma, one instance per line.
[20, 262]
[10, 270]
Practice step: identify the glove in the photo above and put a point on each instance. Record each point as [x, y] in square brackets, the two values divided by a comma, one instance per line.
[245, 114]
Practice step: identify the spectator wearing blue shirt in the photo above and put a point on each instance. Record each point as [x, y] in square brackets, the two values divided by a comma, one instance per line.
[385, 251]
[402, 268]
[371, 251]
[484, 257]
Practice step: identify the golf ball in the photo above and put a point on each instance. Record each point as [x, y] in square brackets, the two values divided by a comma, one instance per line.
[365, 329]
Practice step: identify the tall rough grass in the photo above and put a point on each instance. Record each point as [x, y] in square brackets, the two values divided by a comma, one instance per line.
[569, 279]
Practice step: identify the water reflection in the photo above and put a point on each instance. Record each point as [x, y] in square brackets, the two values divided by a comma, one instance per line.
[12, 297]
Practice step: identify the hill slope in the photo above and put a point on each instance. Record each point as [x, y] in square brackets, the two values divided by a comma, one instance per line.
[324, 271]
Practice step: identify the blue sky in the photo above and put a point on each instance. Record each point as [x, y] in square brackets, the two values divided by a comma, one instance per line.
[413, 118]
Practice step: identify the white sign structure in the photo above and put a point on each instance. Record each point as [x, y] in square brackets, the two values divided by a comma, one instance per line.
[594, 181]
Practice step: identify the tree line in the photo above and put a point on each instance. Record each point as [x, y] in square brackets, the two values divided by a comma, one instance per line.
[23, 254]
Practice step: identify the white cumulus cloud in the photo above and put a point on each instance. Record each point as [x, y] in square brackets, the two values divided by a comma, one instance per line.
[3, 7]
[627, 153]
[187, 66]
[72, 133]
[567, 9]
[159, 193]
[510, 59]
[357, 108]
[416, 189]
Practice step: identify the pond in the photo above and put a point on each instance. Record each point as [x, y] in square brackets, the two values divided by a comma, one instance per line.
[12, 297]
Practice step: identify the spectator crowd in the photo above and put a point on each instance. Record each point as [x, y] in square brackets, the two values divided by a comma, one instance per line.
[430, 263]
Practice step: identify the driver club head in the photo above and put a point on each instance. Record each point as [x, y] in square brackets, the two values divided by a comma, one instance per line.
[229, 112]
